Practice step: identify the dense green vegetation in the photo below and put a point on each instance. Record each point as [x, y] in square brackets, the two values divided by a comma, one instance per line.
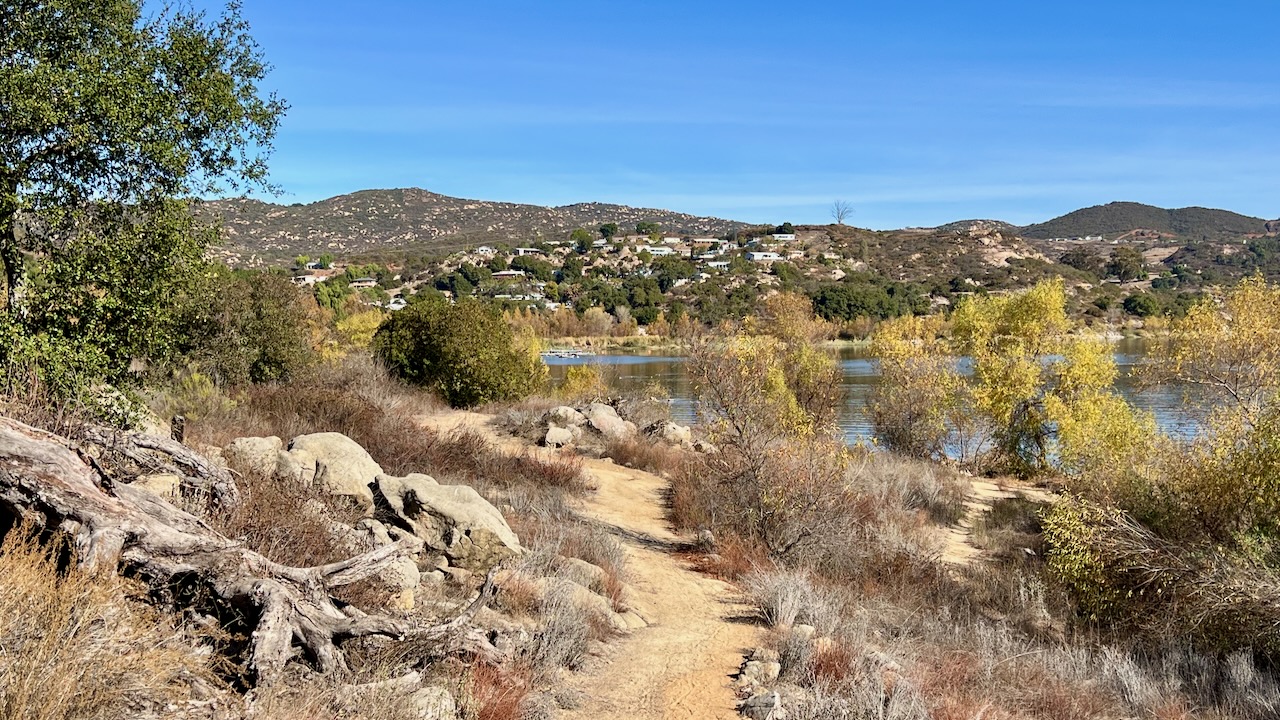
[463, 351]
[95, 238]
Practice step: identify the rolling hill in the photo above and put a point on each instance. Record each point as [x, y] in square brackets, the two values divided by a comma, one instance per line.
[1121, 218]
[371, 221]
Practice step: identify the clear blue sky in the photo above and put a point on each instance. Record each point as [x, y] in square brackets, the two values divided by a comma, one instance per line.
[917, 113]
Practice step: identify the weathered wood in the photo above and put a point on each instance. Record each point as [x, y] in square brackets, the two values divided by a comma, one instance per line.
[156, 454]
[120, 527]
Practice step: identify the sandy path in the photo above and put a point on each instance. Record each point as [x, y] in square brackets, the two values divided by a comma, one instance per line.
[959, 548]
[680, 665]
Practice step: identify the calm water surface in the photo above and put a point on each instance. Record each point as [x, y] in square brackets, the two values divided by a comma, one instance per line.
[635, 372]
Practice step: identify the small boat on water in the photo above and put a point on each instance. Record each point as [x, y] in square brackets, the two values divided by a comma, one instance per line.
[567, 354]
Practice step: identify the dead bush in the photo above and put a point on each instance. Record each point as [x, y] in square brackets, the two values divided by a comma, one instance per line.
[653, 456]
[788, 597]
[287, 521]
[562, 638]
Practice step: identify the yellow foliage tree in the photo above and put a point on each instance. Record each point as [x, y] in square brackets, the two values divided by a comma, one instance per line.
[357, 330]
[1044, 397]
[919, 401]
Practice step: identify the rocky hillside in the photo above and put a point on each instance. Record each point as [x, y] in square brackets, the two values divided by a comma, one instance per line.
[1119, 219]
[377, 220]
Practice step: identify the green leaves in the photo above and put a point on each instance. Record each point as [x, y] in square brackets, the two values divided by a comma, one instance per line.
[465, 350]
[109, 119]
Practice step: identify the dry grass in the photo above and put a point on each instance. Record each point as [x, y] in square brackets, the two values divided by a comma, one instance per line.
[570, 538]
[75, 646]
[287, 521]
[653, 456]
[494, 693]
[563, 637]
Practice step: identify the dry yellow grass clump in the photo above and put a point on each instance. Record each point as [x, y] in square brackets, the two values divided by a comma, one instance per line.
[74, 645]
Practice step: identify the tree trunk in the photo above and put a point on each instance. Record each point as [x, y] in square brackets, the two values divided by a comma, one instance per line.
[117, 527]
[10, 253]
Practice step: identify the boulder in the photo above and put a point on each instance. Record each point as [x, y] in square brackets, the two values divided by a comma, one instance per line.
[604, 418]
[254, 454]
[557, 437]
[592, 577]
[337, 464]
[585, 600]
[645, 412]
[402, 576]
[670, 432]
[756, 672]
[453, 519]
[565, 416]
[764, 706]
[705, 447]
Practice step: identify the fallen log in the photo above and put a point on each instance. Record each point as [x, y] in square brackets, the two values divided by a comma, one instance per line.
[114, 527]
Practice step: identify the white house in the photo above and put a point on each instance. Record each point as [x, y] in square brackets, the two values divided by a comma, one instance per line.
[508, 275]
[528, 251]
[783, 237]
[718, 264]
[763, 256]
[486, 251]
[656, 250]
[364, 282]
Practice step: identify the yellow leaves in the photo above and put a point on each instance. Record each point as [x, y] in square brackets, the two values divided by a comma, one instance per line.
[357, 330]
[1230, 346]
[789, 317]
[583, 382]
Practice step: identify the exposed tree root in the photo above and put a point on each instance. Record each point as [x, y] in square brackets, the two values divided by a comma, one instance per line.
[116, 527]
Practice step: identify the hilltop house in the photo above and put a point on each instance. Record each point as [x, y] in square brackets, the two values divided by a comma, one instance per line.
[363, 283]
[486, 251]
[719, 264]
[508, 275]
[656, 251]
[783, 237]
[521, 251]
[763, 256]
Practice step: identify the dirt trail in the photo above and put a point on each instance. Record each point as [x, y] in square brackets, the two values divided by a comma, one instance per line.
[960, 548]
[680, 665]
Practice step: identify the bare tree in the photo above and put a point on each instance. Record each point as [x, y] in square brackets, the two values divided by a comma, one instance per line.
[841, 210]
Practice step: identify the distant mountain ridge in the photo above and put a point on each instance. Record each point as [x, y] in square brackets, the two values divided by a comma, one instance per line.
[1122, 218]
[373, 220]
[376, 221]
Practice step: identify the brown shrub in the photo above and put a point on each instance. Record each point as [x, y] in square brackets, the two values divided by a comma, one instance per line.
[494, 693]
[287, 521]
[652, 456]
[831, 663]
[734, 558]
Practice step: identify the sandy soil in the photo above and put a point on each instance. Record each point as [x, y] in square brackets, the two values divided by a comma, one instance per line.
[959, 548]
[680, 665]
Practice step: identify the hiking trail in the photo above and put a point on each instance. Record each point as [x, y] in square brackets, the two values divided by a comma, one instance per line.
[680, 666]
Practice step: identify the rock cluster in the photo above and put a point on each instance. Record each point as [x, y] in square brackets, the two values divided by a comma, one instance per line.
[460, 532]
[592, 426]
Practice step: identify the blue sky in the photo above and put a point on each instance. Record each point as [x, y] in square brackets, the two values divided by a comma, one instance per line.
[917, 113]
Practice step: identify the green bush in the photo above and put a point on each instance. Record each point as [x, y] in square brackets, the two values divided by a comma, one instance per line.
[245, 326]
[465, 351]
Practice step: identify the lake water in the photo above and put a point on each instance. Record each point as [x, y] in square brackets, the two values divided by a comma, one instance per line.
[635, 372]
